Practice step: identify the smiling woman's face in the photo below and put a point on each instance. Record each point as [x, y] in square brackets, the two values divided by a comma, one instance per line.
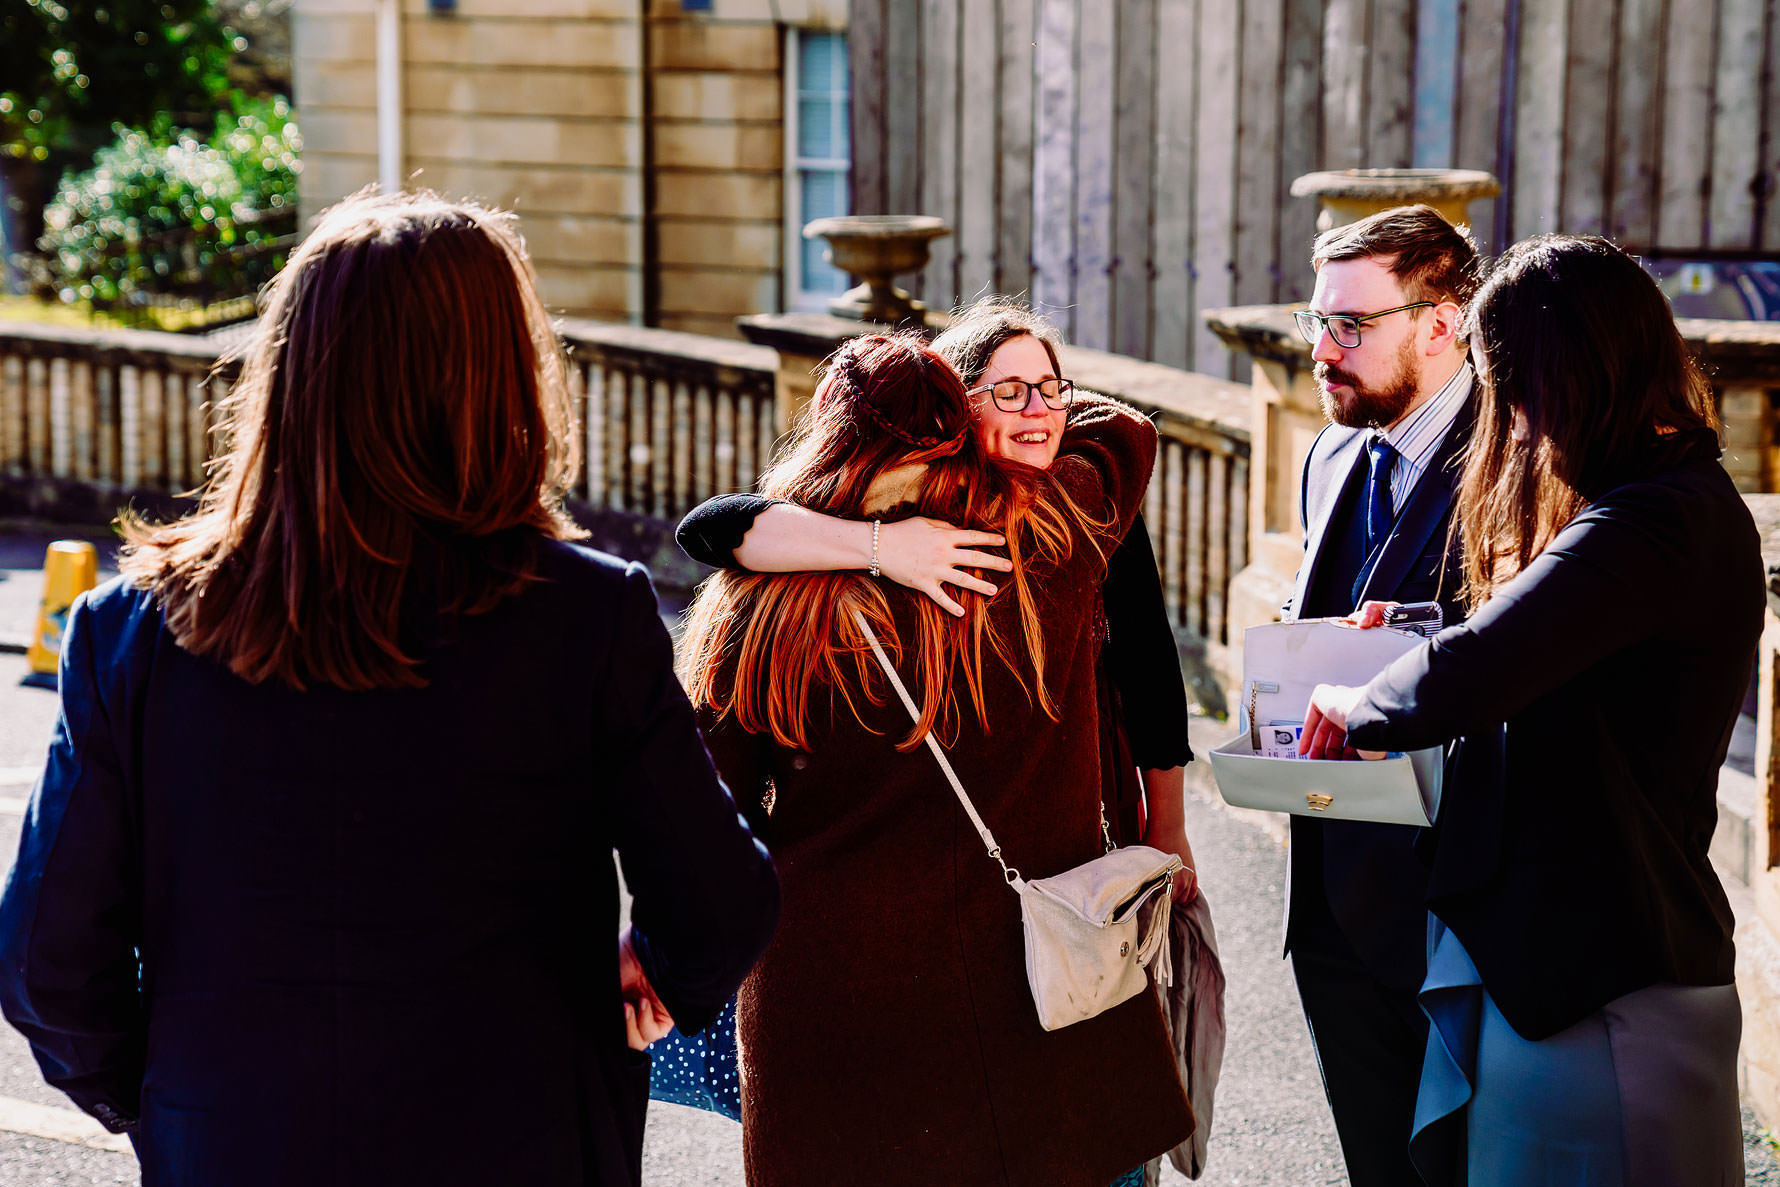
[1032, 434]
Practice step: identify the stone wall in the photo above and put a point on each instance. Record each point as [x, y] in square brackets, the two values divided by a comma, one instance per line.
[644, 156]
[718, 119]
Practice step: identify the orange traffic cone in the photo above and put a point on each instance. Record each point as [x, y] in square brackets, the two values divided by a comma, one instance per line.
[70, 568]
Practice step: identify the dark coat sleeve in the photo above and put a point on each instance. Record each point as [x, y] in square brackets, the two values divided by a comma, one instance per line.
[1609, 578]
[713, 530]
[70, 918]
[1142, 660]
[705, 897]
[1105, 460]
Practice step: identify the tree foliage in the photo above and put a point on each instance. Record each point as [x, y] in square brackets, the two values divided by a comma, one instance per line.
[70, 69]
[169, 211]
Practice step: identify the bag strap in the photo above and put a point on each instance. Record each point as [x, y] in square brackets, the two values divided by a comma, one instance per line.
[1010, 873]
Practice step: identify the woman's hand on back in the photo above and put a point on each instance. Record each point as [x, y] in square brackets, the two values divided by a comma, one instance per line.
[929, 554]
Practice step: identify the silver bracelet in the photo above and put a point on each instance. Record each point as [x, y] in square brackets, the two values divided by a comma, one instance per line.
[877, 525]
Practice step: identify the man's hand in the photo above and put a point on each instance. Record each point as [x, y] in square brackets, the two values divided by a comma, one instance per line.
[1325, 723]
[645, 1018]
[1369, 615]
[928, 554]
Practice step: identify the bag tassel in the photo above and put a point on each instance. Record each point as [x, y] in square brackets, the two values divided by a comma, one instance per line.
[1156, 947]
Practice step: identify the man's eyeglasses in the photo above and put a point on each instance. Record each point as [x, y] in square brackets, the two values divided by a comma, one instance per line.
[1012, 395]
[1343, 327]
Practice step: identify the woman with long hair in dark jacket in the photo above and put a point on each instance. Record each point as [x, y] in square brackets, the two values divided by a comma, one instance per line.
[1580, 982]
[321, 856]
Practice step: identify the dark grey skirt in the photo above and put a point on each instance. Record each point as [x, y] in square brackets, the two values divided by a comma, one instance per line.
[1642, 1093]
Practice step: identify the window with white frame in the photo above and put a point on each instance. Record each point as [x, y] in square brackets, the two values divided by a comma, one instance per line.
[817, 155]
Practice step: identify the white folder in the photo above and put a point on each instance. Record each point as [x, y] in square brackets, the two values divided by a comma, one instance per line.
[1281, 663]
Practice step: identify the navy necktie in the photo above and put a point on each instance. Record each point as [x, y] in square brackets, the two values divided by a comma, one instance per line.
[1379, 511]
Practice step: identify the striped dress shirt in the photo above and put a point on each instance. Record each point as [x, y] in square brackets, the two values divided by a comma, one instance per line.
[1418, 435]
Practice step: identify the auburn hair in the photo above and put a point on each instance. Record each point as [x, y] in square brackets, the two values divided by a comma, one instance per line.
[1578, 339]
[770, 648]
[397, 445]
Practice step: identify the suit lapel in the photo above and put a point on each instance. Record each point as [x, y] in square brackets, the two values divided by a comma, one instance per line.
[1422, 515]
[1347, 463]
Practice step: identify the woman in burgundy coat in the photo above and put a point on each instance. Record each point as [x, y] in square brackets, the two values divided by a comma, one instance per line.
[888, 1034]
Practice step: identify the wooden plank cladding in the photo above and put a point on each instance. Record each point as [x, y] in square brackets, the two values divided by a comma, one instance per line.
[1128, 164]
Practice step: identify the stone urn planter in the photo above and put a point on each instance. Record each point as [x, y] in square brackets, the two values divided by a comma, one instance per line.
[1348, 195]
[874, 248]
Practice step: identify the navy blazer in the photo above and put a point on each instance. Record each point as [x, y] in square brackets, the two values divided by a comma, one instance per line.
[1570, 857]
[332, 937]
[1374, 884]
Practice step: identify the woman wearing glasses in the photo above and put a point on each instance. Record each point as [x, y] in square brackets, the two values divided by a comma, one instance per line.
[1584, 1018]
[889, 1034]
[1020, 403]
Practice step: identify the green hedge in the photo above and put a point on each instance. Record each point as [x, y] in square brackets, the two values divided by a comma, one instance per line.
[166, 213]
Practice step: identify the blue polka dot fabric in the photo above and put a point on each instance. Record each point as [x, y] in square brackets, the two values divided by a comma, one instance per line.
[700, 1071]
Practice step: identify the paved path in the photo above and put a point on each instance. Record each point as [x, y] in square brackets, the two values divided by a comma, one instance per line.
[1271, 1125]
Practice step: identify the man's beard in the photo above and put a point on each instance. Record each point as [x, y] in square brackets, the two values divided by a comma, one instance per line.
[1369, 406]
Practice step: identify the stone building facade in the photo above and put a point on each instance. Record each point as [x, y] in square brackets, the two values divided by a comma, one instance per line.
[643, 142]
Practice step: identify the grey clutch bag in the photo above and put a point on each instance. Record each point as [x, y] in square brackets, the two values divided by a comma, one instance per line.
[1281, 663]
[1092, 932]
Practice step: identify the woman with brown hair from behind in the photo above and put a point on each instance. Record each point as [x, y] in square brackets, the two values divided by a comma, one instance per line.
[888, 1035]
[320, 850]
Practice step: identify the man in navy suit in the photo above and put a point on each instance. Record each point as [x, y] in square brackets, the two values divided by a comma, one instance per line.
[1396, 384]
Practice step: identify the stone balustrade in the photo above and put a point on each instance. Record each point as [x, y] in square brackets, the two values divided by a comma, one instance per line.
[93, 419]
[90, 418]
[671, 418]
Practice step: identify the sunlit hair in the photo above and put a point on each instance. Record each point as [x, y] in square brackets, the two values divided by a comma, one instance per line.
[781, 651]
[1578, 337]
[976, 332]
[1431, 259]
[398, 442]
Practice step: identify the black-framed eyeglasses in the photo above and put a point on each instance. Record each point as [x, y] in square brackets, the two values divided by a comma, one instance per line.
[1343, 327]
[1012, 395]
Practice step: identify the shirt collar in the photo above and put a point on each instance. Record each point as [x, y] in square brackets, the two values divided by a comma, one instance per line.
[1418, 432]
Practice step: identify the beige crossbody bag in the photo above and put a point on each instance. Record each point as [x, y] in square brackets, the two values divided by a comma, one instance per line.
[1092, 931]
